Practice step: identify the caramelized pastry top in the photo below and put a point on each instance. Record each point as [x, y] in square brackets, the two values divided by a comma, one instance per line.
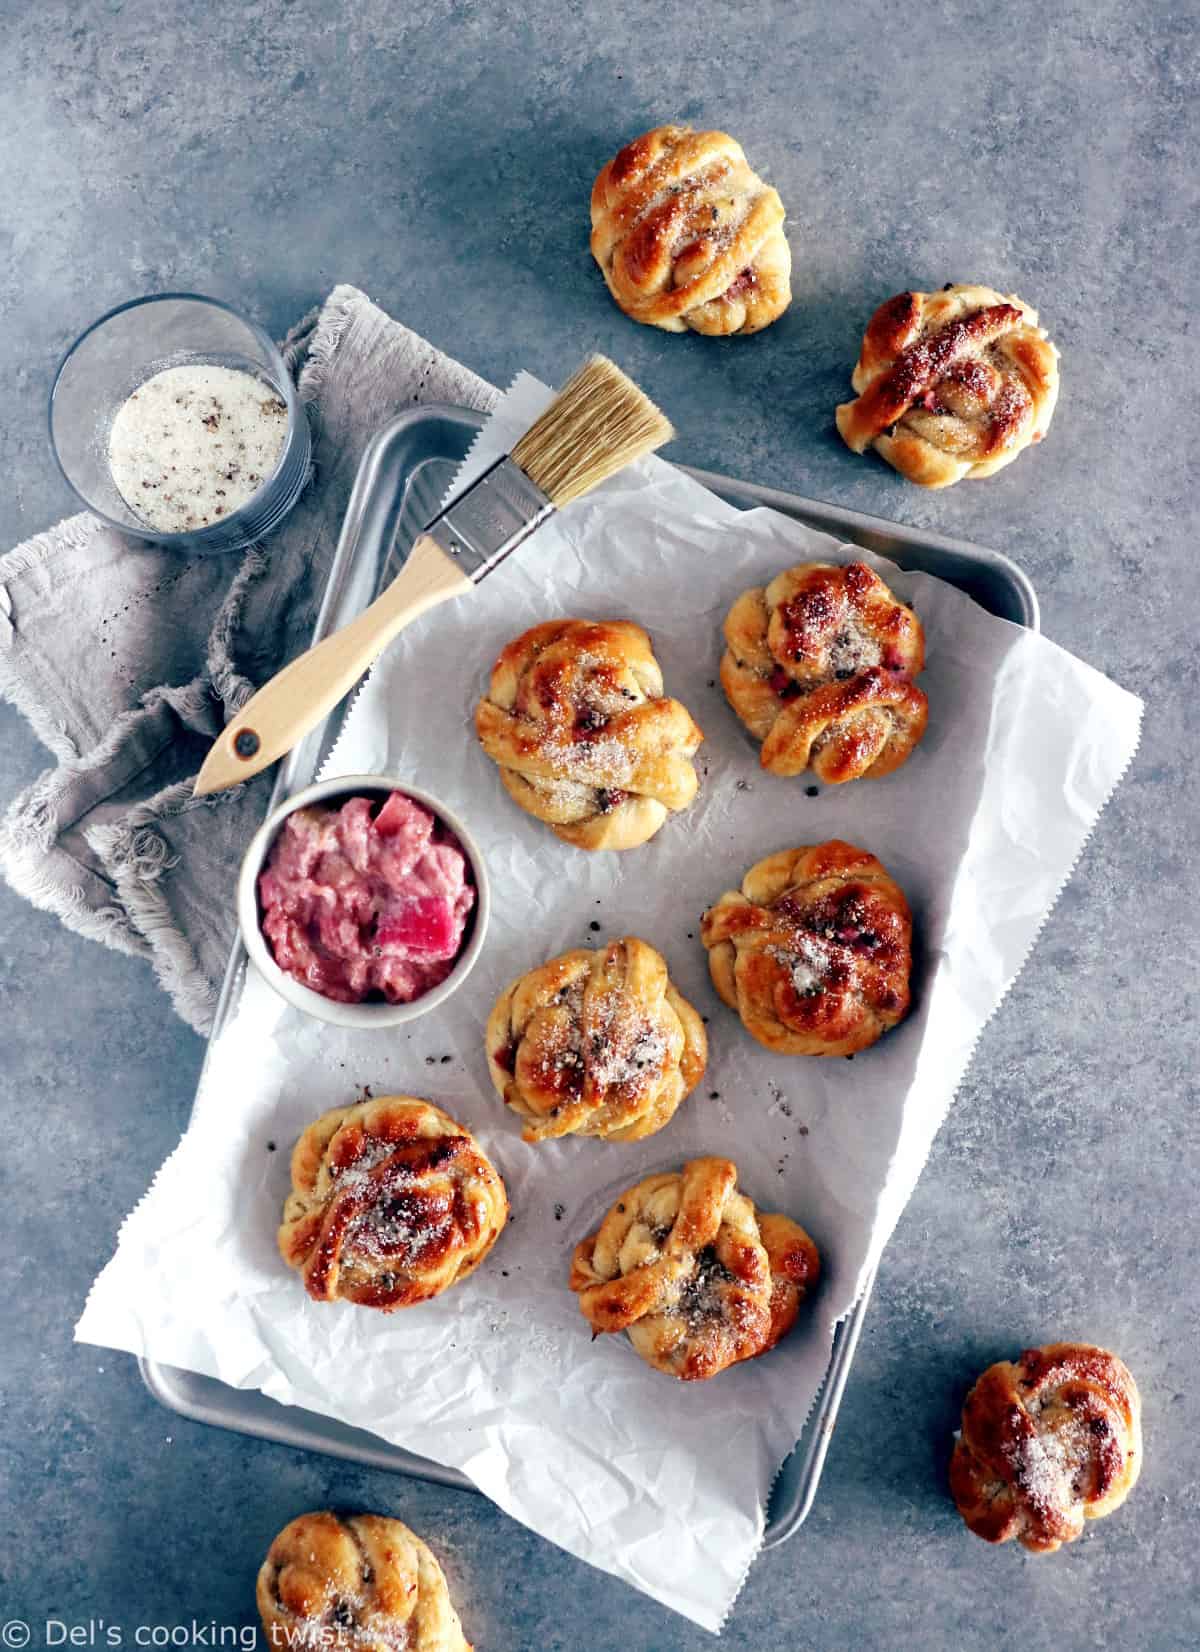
[814, 951]
[696, 1275]
[951, 384]
[689, 236]
[365, 1583]
[392, 1202]
[819, 666]
[576, 719]
[1048, 1441]
[596, 1043]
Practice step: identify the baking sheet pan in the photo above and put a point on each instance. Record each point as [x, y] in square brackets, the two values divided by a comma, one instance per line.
[403, 476]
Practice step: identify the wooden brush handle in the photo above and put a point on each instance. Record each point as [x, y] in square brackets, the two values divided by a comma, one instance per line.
[296, 698]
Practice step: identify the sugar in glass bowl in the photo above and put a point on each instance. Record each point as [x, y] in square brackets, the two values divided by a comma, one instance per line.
[206, 385]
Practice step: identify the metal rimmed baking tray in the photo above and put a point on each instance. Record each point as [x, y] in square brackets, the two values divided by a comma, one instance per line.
[403, 477]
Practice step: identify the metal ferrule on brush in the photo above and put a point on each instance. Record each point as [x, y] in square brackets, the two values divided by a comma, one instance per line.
[490, 519]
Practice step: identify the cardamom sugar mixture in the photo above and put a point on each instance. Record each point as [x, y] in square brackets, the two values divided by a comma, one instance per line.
[194, 443]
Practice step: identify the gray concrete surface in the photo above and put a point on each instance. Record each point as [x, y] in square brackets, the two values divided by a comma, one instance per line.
[439, 153]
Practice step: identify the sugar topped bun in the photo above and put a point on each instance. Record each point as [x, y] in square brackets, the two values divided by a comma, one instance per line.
[688, 236]
[951, 384]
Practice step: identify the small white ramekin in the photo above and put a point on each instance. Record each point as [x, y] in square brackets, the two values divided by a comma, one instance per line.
[304, 998]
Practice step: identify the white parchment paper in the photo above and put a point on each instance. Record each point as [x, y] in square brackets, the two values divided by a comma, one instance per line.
[663, 1485]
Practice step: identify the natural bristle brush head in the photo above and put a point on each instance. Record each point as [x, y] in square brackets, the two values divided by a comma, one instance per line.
[597, 424]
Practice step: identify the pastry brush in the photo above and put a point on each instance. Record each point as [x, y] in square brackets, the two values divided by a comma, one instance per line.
[598, 423]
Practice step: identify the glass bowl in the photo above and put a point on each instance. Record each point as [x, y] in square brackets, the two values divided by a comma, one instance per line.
[129, 345]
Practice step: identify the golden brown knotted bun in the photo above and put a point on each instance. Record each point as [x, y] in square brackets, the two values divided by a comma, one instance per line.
[814, 951]
[689, 236]
[1048, 1441]
[819, 666]
[364, 1582]
[698, 1278]
[596, 1043]
[951, 384]
[585, 740]
[392, 1202]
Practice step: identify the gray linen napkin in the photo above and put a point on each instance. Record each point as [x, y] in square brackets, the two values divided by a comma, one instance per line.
[127, 660]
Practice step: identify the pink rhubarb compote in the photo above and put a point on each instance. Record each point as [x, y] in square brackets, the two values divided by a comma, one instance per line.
[364, 901]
